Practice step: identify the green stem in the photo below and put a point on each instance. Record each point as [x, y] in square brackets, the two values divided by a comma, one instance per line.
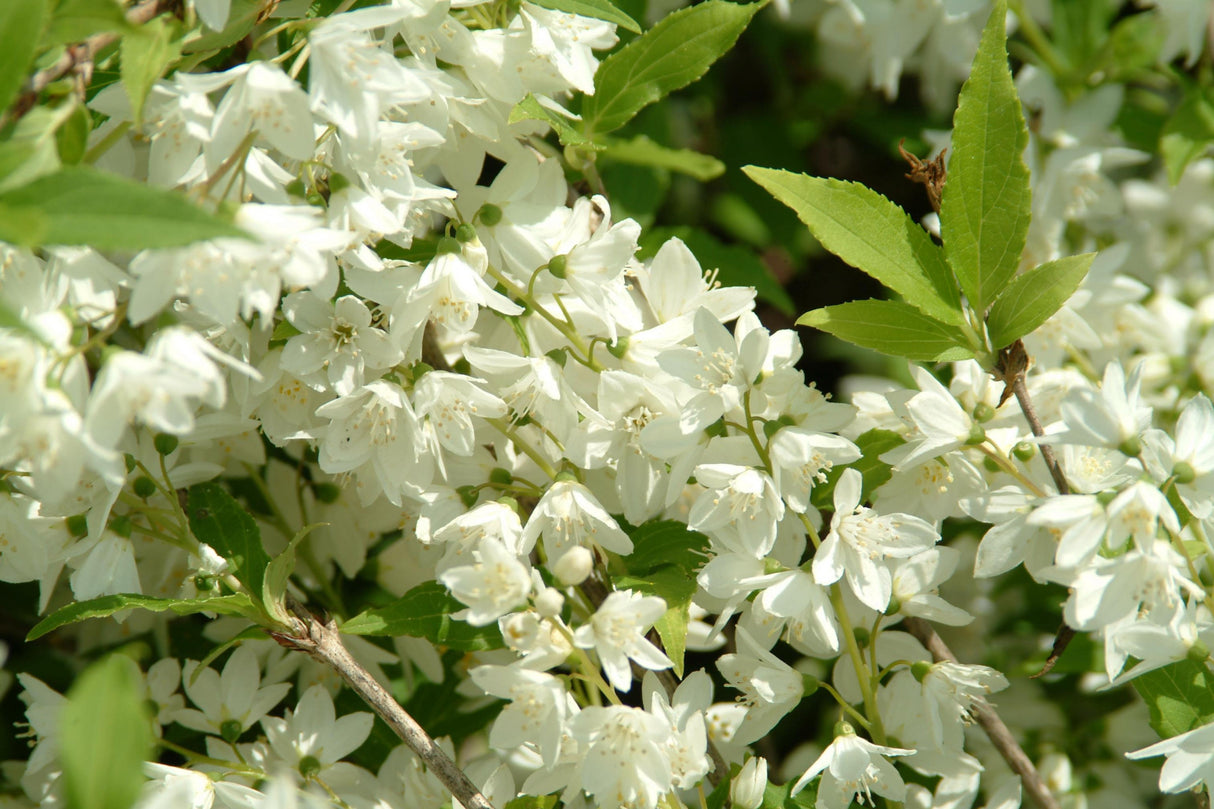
[1038, 41]
[877, 728]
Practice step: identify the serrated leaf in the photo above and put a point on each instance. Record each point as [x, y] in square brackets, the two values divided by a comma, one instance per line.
[1034, 296]
[1188, 133]
[104, 736]
[1179, 697]
[221, 522]
[872, 234]
[108, 212]
[21, 23]
[672, 54]
[77, 20]
[874, 472]
[278, 571]
[232, 604]
[425, 612]
[659, 543]
[530, 109]
[644, 151]
[890, 327]
[675, 585]
[598, 9]
[986, 206]
[146, 53]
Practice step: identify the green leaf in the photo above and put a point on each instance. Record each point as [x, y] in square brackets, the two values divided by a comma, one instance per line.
[1132, 47]
[985, 210]
[644, 151]
[873, 471]
[146, 54]
[530, 109]
[1179, 697]
[32, 151]
[278, 571]
[675, 585]
[21, 23]
[233, 604]
[532, 802]
[735, 265]
[86, 206]
[1188, 133]
[659, 543]
[890, 327]
[104, 734]
[598, 9]
[425, 612]
[873, 235]
[72, 138]
[672, 54]
[221, 522]
[77, 20]
[1034, 296]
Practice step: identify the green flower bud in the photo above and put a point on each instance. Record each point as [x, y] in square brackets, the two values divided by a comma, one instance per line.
[1184, 472]
[230, 730]
[77, 525]
[1024, 451]
[465, 233]
[983, 413]
[467, 495]
[165, 443]
[144, 487]
[977, 435]
[338, 182]
[121, 525]
[501, 477]
[326, 492]
[1131, 447]
[309, 766]
[619, 348]
[921, 669]
[448, 245]
[558, 265]
[489, 214]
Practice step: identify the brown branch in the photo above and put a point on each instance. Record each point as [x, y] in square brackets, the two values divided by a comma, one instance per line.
[78, 58]
[990, 722]
[323, 642]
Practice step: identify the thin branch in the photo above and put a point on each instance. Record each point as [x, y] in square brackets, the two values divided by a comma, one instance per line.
[323, 642]
[78, 58]
[990, 722]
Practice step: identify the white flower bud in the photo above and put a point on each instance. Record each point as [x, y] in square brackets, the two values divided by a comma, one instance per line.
[574, 566]
[549, 602]
[746, 790]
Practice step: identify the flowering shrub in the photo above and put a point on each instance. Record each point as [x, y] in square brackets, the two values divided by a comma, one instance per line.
[356, 451]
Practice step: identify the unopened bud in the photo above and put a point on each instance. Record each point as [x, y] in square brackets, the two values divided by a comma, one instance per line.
[747, 788]
[574, 566]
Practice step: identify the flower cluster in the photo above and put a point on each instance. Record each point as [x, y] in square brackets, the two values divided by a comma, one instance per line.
[436, 364]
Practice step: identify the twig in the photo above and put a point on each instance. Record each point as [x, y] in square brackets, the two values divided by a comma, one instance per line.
[78, 58]
[1013, 363]
[990, 722]
[323, 642]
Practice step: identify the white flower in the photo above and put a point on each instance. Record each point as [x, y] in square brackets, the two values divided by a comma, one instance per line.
[1113, 417]
[314, 732]
[338, 344]
[265, 99]
[770, 687]
[624, 764]
[374, 431]
[1190, 759]
[446, 404]
[860, 539]
[538, 711]
[617, 633]
[491, 587]
[942, 424]
[740, 508]
[852, 767]
[801, 459]
[569, 516]
[232, 702]
[951, 690]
